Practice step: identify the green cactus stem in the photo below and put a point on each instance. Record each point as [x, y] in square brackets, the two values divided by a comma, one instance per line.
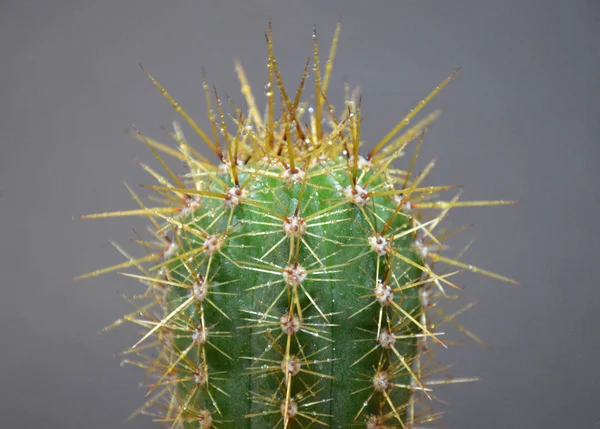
[293, 280]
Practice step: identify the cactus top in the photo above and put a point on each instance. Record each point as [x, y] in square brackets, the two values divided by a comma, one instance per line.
[294, 283]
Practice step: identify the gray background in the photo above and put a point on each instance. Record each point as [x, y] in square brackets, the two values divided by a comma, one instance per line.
[519, 121]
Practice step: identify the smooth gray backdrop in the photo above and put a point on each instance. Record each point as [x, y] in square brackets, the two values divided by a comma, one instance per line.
[520, 121]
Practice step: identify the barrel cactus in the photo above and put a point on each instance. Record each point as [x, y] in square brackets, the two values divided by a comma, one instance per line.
[291, 284]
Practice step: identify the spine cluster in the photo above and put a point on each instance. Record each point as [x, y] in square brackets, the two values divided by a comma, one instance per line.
[291, 284]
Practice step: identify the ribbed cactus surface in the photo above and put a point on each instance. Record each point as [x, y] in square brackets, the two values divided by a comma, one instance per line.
[293, 285]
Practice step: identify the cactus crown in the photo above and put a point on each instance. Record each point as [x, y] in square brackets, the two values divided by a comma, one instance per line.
[293, 283]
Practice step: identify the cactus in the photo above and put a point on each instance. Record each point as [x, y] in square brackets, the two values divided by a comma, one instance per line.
[291, 284]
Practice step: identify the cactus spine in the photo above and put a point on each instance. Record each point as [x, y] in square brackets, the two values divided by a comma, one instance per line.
[293, 280]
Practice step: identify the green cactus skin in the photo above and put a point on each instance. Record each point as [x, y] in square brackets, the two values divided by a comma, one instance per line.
[295, 279]
[339, 266]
